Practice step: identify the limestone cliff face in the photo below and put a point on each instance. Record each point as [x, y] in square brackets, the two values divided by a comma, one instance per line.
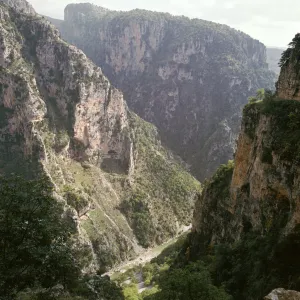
[289, 80]
[263, 186]
[188, 77]
[251, 207]
[19, 5]
[60, 116]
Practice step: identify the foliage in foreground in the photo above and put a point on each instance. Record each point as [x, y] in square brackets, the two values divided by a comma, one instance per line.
[257, 264]
[38, 259]
[192, 282]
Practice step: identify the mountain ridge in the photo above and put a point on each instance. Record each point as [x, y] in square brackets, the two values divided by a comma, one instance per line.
[189, 77]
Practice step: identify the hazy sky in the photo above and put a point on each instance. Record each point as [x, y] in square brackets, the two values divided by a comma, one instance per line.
[273, 22]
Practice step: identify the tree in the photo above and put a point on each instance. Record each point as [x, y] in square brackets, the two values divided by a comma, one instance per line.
[34, 237]
[192, 282]
[261, 95]
[285, 56]
[294, 45]
[131, 292]
[295, 41]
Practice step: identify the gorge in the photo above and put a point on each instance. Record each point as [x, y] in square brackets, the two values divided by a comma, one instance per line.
[189, 77]
[110, 185]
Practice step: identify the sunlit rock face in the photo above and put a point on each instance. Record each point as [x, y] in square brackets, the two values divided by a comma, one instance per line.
[188, 77]
[257, 197]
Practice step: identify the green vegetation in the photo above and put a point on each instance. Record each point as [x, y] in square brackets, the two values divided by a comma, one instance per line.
[267, 156]
[285, 124]
[260, 96]
[34, 238]
[256, 264]
[163, 191]
[193, 282]
[37, 250]
[137, 212]
[247, 269]
[75, 199]
[291, 52]
[286, 128]
[167, 281]
[221, 180]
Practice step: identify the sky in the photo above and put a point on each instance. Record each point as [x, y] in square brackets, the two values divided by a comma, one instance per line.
[273, 22]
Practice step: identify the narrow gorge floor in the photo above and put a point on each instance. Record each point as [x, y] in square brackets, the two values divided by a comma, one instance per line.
[145, 257]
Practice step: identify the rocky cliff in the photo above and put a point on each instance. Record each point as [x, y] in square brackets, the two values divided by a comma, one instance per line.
[262, 187]
[249, 210]
[60, 116]
[289, 79]
[188, 77]
[281, 294]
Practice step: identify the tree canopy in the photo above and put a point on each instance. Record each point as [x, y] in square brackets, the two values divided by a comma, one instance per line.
[287, 54]
[34, 237]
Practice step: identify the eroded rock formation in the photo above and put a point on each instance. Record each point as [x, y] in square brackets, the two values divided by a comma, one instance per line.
[188, 77]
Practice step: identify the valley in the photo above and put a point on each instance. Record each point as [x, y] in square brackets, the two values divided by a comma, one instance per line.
[190, 78]
[146, 156]
[146, 256]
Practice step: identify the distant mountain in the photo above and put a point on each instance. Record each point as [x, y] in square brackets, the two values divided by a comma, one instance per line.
[190, 78]
[55, 22]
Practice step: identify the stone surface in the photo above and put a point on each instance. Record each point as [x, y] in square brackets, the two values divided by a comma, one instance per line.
[282, 294]
[188, 77]
[263, 185]
[249, 210]
[289, 80]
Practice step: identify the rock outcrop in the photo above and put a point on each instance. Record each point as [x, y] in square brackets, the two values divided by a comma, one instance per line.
[289, 80]
[252, 205]
[282, 294]
[264, 184]
[60, 116]
[188, 77]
